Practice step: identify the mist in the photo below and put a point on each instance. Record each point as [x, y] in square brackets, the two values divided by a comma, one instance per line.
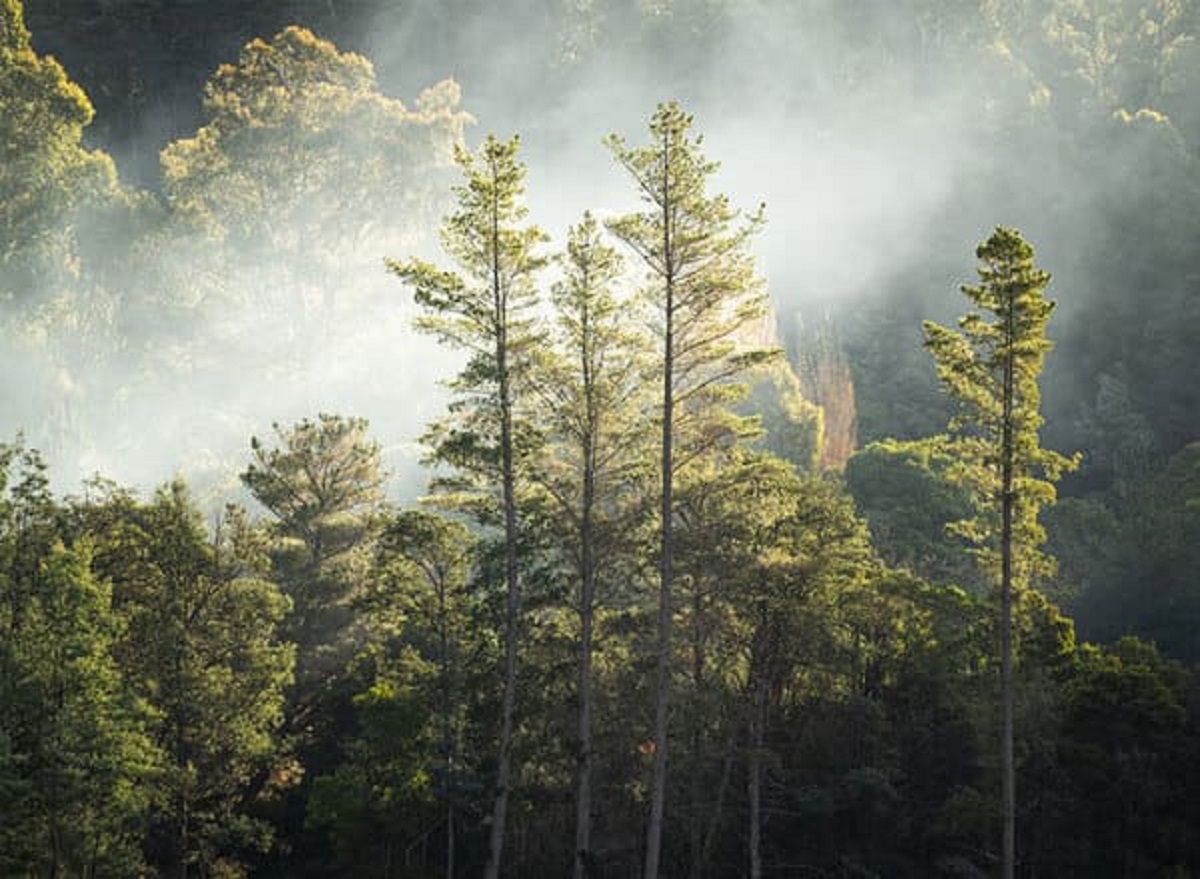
[884, 152]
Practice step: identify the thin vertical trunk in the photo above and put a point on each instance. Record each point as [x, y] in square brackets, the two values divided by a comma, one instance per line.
[663, 683]
[52, 870]
[184, 840]
[450, 841]
[512, 602]
[695, 836]
[754, 783]
[583, 803]
[448, 743]
[714, 820]
[1007, 770]
[583, 799]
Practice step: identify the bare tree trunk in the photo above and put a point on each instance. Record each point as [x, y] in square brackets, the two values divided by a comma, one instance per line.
[450, 841]
[583, 800]
[754, 783]
[448, 702]
[714, 820]
[695, 837]
[658, 793]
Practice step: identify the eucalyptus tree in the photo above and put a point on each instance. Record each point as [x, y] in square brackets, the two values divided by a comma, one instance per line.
[61, 228]
[485, 310]
[701, 281]
[279, 204]
[304, 166]
[46, 172]
[990, 366]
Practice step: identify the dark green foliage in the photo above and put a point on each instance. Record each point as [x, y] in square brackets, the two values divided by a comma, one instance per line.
[1140, 574]
[203, 652]
[1124, 758]
[904, 492]
[380, 797]
[78, 768]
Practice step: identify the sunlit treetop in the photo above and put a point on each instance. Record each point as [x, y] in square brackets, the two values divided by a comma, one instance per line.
[44, 168]
[298, 128]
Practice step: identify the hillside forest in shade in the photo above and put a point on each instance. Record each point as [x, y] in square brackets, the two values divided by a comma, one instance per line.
[678, 438]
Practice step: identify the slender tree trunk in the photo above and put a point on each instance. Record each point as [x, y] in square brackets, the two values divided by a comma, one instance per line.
[52, 870]
[695, 836]
[184, 841]
[448, 702]
[663, 684]
[587, 599]
[513, 595]
[583, 802]
[714, 820]
[754, 782]
[1007, 770]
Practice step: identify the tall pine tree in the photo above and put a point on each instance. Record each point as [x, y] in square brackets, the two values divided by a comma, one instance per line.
[990, 367]
[701, 280]
[484, 310]
[591, 389]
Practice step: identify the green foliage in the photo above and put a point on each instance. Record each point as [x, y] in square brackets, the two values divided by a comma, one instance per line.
[202, 649]
[1127, 738]
[297, 132]
[429, 633]
[77, 766]
[322, 483]
[591, 386]
[45, 171]
[904, 491]
[793, 428]
[1141, 576]
[143, 660]
[707, 300]
[61, 218]
[380, 796]
[320, 471]
[484, 311]
[998, 353]
[301, 175]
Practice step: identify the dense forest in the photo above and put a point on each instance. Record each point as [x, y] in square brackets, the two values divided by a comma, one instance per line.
[699, 476]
